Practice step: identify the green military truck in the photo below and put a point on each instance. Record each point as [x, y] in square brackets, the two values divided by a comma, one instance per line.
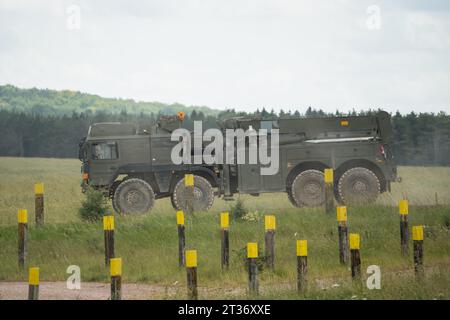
[133, 165]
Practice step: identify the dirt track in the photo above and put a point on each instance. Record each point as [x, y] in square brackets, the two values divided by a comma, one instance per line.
[101, 291]
[88, 291]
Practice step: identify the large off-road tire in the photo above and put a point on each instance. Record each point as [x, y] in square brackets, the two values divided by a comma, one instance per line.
[358, 186]
[308, 189]
[133, 196]
[203, 195]
[291, 198]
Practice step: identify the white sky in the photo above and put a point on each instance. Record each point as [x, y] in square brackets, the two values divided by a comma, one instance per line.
[243, 54]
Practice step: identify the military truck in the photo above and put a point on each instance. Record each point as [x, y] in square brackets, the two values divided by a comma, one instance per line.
[132, 164]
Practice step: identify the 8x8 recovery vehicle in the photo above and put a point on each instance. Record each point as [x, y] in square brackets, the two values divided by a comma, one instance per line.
[133, 164]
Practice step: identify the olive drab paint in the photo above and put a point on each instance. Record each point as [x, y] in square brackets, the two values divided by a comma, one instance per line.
[116, 154]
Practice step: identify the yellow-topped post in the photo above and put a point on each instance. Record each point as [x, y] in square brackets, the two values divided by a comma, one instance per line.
[417, 235]
[225, 240]
[22, 216]
[329, 190]
[269, 240]
[22, 226]
[355, 256]
[302, 264]
[403, 210]
[252, 256]
[189, 194]
[180, 217]
[191, 271]
[108, 233]
[191, 258]
[341, 214]
[181, 238]
[115, 271]
[33, 283]
[39, 203]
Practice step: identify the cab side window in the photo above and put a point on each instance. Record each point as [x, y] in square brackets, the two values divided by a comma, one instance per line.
[104, 151]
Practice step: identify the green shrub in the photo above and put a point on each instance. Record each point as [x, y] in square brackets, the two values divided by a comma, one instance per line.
[94, 206]
[242, 256]
[238, 211]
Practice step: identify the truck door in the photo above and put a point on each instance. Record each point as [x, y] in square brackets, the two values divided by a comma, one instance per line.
[103, 156]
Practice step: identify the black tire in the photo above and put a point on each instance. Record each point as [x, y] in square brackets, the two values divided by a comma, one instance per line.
[203, 195]
[133, 196]
[174, 205]
[308, 189]
[291, 198]
[358, 186]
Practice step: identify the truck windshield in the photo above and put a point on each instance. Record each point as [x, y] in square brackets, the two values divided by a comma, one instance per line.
[104, 151]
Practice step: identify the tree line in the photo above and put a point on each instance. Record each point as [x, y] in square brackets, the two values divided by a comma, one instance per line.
[419, 139]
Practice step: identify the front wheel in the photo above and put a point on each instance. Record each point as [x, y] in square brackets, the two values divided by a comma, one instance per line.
[203, 195]
[133, 196]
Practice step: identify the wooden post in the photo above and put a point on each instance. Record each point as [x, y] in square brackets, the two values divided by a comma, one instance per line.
[108, 230]
[116, 278]
[225, 243]
[39, 203]
[329, 191]
[343, 234]
[404, 234]
[191, 272]
[181, 238]
[355, 256]
[189, 184]
[33, 283]
[252, 256]
[302, 265]
[417, 233]
[22, 219]
[269, 226]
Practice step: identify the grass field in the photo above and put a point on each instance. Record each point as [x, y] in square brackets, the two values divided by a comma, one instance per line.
[148, 243]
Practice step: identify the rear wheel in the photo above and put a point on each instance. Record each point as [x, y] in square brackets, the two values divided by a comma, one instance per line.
[308, 189]
[358, 186]
[133, 196]
[203, 195]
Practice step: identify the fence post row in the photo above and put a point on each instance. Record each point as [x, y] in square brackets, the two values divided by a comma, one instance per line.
[355, 256]
[33, 283]
[269, 240]
[22, 219]
[329, 191]
[39, 203]
[108, 231]
[191, 273]
[116, 278]
[417, 232]
[252, 256]
[341, 212]
[181, 238]
[189, 185]
[302, 265]
[225, 241]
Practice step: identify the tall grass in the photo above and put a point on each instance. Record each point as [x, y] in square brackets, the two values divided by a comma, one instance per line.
[148, 243]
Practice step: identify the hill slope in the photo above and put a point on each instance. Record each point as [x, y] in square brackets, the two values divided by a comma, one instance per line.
[52, 102]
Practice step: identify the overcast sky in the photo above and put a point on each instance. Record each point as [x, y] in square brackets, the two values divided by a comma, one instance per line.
[243, 54]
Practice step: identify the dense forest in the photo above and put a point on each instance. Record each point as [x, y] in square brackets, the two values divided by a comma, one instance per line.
[30, 131]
